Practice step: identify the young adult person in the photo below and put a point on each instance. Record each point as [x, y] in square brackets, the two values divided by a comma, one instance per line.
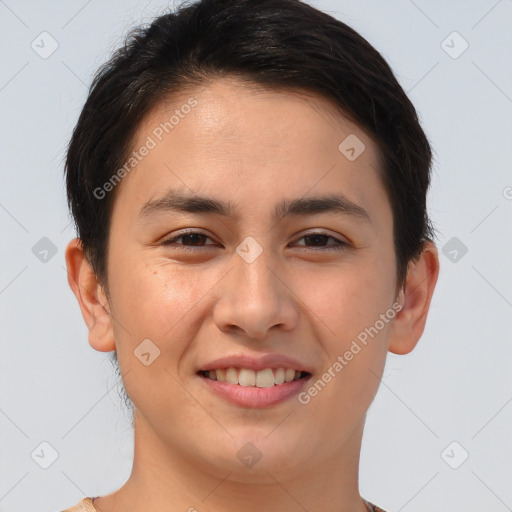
[248, 182]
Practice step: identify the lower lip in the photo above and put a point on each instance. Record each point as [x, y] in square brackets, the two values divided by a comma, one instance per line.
[251, 396]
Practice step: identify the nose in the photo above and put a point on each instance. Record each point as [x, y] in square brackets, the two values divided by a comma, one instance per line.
[256, 297]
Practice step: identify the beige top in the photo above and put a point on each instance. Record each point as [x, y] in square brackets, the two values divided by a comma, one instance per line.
[86, 506]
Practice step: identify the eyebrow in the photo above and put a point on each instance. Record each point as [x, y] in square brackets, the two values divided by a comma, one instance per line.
[176, 201]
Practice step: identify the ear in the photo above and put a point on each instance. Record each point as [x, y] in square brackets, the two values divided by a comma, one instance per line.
[415, 297]
[91, 298]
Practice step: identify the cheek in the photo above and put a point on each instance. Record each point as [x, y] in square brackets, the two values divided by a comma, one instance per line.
[348, 300]
[349, 306]
[355, 347]
[154, 299]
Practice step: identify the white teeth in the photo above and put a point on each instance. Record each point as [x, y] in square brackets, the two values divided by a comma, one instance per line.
[289, 375]
[262, 379]
[279, 376]
[232, 376]
[246, 377]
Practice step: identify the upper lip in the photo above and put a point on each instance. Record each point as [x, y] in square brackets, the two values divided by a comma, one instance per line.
[256, 362]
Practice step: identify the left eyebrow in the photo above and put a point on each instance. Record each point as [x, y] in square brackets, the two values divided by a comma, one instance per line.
[334, 203]
[181, 202]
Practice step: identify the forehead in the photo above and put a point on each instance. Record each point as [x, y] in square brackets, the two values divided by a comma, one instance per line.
[230, 109]
[229, 138]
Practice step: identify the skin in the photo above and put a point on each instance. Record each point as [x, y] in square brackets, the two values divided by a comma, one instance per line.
[255, 148]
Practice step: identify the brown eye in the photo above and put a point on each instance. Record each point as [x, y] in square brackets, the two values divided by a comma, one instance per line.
[320, 240]
[188, 239]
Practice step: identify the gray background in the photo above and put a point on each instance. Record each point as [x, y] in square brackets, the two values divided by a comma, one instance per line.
[455, 386]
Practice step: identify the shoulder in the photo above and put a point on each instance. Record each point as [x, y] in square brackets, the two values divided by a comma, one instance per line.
[373, 508]
[377, 509]
[85, 505]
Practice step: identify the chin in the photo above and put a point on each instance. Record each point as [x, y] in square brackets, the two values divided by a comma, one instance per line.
[254, 453]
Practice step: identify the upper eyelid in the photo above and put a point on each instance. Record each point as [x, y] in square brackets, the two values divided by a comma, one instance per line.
[192, 231]
[184, 233]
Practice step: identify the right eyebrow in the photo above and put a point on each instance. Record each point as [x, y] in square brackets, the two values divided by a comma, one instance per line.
[178, 202]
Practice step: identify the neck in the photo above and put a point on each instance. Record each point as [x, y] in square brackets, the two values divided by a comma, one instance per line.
[164, 479]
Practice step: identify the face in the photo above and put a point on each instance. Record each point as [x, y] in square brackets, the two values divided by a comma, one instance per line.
[287, 266]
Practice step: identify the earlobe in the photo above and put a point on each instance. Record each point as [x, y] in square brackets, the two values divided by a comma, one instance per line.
[91, 298]
[409, 323]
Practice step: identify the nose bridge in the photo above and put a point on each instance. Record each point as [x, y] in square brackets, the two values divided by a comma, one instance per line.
[255, 280]
[254, 267]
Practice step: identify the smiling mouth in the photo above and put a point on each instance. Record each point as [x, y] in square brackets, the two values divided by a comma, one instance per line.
[247, 377]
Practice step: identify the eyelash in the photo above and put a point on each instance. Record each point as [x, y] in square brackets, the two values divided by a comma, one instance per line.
[339, 246]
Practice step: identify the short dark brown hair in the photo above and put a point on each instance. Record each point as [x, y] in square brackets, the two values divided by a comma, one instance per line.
[279, 44]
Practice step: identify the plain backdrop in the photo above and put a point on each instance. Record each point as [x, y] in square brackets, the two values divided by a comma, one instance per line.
[438, 435]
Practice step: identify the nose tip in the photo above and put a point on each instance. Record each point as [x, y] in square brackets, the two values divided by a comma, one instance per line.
[253, 300]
